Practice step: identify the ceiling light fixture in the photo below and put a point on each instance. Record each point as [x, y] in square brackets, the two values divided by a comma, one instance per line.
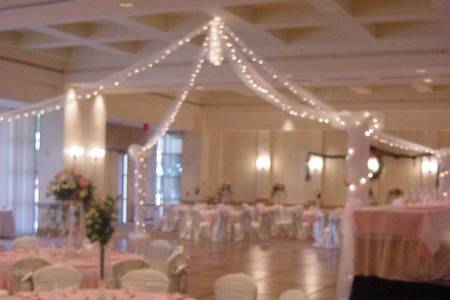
[420, 71]
[427, 80]
[126, 4]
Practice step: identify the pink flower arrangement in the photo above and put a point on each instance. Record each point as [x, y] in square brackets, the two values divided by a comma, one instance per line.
[68, 185]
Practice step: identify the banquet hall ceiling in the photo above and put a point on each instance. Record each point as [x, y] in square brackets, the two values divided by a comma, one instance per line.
[346, 51]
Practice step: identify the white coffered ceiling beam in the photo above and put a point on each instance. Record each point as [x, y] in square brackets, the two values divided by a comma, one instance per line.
[80, 41]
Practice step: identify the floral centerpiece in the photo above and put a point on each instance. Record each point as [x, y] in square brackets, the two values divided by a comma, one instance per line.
[224, 191]
[100, 226]
[68, 185]
[278, 188]
[278, 192]
[75, 192]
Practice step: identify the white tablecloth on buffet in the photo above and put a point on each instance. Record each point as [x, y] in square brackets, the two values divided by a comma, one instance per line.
[6, 223]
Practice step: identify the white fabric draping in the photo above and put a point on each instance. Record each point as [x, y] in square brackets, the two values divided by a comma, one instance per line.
[17, 171]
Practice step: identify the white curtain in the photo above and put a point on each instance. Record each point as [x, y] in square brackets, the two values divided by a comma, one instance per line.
[17, 171]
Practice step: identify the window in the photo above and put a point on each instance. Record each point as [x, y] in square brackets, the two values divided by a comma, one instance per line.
[169, 169]
[123, 187]
[37, 148]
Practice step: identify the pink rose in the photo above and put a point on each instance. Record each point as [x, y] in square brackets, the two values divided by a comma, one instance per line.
[84, 183]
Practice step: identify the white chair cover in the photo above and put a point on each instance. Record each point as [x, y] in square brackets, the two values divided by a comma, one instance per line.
[56, 277]
[319, 227]
[235, 286]
[331, 235]
[157, 255]
[146, 280]
[201, 229]
[23, 270]
[219, 230]
[168, 220]
[261, 227]
[121, 268]
[300, 230]
[178, 267]
[185, 224]
[26, 243]
[243, 228]
[293, 295]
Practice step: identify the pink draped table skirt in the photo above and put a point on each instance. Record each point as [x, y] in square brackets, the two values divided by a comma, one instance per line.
[76, 294]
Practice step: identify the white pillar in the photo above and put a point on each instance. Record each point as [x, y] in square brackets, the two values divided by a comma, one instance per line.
[444, 176]
[263, 166]
[85, 127]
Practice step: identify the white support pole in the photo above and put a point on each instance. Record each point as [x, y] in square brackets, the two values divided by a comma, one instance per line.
[444, 176]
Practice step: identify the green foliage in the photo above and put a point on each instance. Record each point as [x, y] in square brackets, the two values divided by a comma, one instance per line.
[100, 220]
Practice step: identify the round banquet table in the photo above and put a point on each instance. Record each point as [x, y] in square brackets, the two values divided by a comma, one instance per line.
[86, 261]
[91, 294]
[6, 223]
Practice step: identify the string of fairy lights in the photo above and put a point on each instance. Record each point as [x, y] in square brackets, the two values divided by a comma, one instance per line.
[219, 40]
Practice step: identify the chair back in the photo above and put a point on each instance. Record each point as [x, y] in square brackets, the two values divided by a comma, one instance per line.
[157, 255]
[25, 243]
[121, 268]
[293, 295]
[23, 270]
[235, 286]
[146, 280]
[56, 277]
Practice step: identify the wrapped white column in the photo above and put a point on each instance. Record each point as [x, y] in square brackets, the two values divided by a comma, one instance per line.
[357, 196]
[444, 175]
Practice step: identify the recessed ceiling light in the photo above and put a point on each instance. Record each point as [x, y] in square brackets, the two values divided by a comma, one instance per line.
[427, 80]
[420, 71]
[126, 4]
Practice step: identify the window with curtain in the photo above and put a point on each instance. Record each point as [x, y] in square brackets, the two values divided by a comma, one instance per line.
[169, 169]
[18, 172]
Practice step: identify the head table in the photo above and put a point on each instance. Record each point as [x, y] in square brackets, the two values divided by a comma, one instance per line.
[403, 243]
[87, 261]
[76, 294]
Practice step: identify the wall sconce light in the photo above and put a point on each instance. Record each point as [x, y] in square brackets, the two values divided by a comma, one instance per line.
[97, 153]
[263, 162]
[373, 164]
[315, 163]
[75, 151]
[429, 165]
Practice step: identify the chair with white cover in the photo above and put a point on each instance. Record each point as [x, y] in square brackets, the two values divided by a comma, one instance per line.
[301, 230]
[331, 235]
[23, 270]
[157, 255]
[318, 227]
[56, 277]
[25, 243]
[261, 226]
[185, 224]
[235, 286]
[220, 226]
[178, 268]
[146, 280]
[202, 226]
[242, 229]
[121, 268]
[293, 295]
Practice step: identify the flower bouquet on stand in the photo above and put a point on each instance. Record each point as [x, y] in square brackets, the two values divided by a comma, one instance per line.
[100, 227]
[224, 193]
[75, 192]
[278, 193]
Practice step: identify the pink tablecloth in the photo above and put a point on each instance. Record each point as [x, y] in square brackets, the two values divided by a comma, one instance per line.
[74, 294]
[6, 223]
[87, 263]
[426, 225]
